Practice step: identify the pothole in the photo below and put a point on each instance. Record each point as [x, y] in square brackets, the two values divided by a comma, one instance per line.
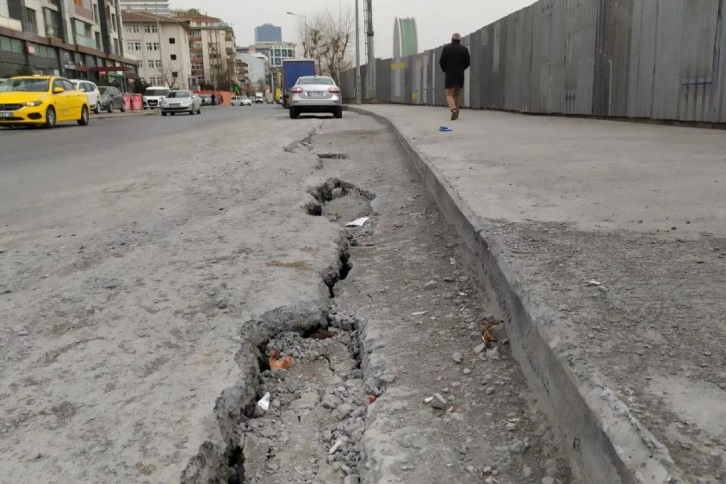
[310, 416]
[340, 201]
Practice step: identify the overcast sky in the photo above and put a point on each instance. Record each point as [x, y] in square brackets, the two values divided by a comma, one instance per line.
[436, 19]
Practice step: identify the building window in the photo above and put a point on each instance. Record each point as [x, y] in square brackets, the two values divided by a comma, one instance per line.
[173, 57]
[50, 18]
[11, 45]
[31, 25]
[141, 64]
[151, 29]
[174, 74]
[115, 46]
[133, 46]
[152, 46]
[197, 45]
[172, 40]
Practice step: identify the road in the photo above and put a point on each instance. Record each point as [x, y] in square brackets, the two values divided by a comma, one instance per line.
[150, 267]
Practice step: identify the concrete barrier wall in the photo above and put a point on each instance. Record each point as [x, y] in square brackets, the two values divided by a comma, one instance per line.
[659, 59]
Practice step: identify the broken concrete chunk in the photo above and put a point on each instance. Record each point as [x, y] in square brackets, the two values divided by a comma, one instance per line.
[457, 357]
[493, 354]
[439, 402]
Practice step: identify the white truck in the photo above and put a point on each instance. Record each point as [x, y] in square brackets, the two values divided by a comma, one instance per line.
[259, 98]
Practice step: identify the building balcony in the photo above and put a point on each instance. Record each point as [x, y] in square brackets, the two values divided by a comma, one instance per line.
[11, 23]
[87, 42]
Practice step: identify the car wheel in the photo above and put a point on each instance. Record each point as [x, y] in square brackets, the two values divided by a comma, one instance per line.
[50, 118]
[172, 114]
[109, 108]
[84, 116]
[199, 110]
[163, 113]
[338, 113]
[123, 108]
[97, 108]
[293, 113]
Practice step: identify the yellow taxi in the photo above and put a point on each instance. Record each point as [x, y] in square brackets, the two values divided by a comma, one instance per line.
[43, 101]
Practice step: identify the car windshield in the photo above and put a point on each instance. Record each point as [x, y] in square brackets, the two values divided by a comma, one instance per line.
[25, 85]
[102, 89]
[326, 81]
[179, 94]
[157, 92]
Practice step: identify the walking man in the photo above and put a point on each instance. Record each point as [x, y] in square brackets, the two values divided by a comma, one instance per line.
[454, 61]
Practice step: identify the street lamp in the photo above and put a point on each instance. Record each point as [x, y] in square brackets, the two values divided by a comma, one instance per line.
[305, 30]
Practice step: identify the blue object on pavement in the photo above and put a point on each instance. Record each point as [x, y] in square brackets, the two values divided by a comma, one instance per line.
[445, 129]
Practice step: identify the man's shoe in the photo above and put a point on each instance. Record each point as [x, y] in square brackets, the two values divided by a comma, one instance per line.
[454, 114]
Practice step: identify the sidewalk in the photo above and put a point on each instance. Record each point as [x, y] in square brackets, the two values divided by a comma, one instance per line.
[605, 245]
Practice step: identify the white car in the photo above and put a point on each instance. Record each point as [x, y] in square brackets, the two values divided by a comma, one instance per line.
[236, 101]
[246, 101]
[182, 101]
[92, 93]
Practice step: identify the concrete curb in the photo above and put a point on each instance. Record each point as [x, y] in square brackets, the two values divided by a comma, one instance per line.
[122, 116]
[603, 440]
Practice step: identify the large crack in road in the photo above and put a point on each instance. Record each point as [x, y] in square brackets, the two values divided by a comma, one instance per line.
[243, 332]
[409, 377]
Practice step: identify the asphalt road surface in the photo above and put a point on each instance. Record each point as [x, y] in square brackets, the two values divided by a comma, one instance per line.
[151, 268]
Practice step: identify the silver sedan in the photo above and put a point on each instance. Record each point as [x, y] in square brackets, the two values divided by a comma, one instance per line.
[315, 94]
[181, 102]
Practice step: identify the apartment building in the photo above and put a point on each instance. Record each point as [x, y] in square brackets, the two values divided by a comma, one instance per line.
[161, 45]
[157, 7]
[72, 38]
[214, 64]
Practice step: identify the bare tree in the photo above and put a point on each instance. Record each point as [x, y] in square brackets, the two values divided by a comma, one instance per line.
[326, 38]
[168, 77]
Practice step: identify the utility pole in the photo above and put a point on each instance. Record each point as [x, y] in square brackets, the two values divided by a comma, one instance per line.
[358, 90]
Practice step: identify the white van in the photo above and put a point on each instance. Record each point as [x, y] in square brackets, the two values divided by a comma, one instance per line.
[153, 96]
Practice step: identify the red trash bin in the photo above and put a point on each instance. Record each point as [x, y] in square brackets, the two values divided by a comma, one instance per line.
[127, 101]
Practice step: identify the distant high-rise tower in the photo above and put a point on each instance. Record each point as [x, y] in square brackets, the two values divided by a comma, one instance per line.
[268, 33]
[154, 6]
[405, 37]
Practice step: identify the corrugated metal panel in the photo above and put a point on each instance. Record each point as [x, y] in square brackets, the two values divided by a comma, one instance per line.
[612, 58]
[720, 66]
[666, 81]
[466, 94]
[439, 90]
[642, 59]
[581, 28]
[696, 95]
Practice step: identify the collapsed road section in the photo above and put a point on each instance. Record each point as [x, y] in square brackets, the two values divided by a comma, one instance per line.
[406, 374]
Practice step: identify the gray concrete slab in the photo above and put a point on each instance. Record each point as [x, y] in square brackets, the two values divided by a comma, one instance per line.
[605, 245]
[136, 256]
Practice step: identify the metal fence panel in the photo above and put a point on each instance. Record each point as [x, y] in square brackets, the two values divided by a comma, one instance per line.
[697, 60]
[639, 58]
[720, 67]
[581, 28]
[666, 81]
[612, 58]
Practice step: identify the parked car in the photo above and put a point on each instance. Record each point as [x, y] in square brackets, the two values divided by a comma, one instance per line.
[92, 92]
[112, 98]
[315, 94]
[181, 101]
[206, 99]
[153, 96]
[236, 101]
[246, 101]
[42, 100]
